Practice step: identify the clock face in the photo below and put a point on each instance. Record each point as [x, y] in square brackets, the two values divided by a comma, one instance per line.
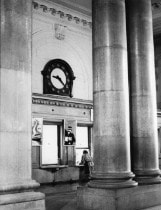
[58, 78]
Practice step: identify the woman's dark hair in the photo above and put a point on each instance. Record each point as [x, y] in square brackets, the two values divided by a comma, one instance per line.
[85, 152]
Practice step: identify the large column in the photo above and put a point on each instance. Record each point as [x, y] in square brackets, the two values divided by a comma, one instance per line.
[143, 92]
[16, 185]
[111, 108]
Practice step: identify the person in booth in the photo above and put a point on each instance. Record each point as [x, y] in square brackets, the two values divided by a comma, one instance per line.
[69, 137]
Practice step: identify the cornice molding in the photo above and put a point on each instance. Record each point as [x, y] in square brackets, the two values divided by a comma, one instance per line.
[61, 14]
[50, 100]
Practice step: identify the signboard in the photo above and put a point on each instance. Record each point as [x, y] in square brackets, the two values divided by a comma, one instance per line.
[37, 125]
[70, 132]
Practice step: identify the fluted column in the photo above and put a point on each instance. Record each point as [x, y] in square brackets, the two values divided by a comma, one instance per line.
[111, 108]
[142, 92]
[16, 184]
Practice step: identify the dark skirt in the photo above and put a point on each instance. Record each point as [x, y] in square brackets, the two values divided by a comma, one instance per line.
[86, 168]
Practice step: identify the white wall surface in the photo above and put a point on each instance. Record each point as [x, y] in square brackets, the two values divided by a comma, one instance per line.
[75, 48]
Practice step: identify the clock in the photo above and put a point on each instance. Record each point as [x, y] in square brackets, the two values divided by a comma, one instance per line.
[58, 78]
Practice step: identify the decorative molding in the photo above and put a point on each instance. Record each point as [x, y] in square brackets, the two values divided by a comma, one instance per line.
[61, 14]
[60, 31]
[49, 100]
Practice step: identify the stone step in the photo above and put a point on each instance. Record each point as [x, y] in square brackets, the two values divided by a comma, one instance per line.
[59, 187]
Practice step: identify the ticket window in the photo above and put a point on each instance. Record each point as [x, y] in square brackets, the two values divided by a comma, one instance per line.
[83, 141]
[50, 148]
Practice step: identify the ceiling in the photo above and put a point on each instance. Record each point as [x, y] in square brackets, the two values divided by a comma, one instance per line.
[84, 6]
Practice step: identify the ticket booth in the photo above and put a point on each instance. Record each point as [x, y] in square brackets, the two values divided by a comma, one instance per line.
[52, 159]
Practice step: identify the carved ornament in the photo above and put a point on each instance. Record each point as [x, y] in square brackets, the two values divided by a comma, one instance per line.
[61, 14]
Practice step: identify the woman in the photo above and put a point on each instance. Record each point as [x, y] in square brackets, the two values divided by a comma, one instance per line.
[87, 161]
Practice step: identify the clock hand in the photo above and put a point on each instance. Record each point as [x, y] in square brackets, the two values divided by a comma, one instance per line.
[60, 80]
[57, 77]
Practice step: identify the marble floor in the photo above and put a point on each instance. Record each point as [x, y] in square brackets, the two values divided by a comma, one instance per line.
[60, 197]
[61, 201]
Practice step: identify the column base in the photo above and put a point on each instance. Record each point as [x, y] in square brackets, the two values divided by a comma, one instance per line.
[146, 197]
[112, 180]
[20, 195]
[18, 186]
[25, 201]
[144, 177]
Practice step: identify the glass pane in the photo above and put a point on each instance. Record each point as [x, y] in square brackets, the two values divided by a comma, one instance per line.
[50, 145]
[82, 137]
